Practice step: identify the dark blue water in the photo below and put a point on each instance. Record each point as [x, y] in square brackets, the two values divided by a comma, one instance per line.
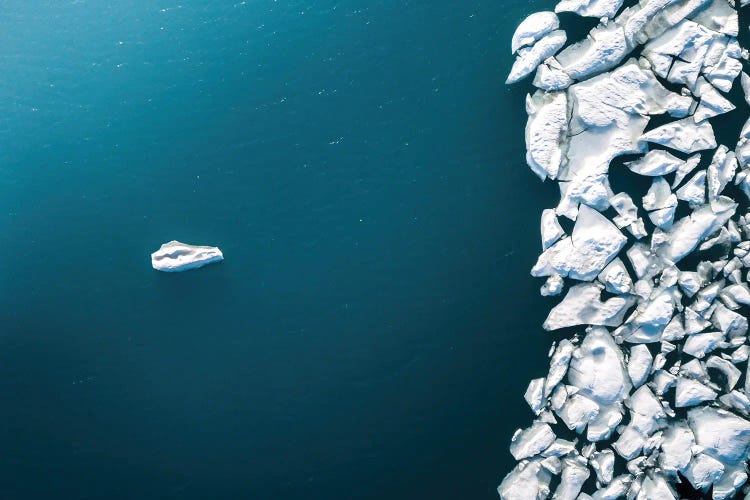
[360, 163]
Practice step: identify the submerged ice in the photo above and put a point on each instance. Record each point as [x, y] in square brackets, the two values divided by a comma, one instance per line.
[654, 382]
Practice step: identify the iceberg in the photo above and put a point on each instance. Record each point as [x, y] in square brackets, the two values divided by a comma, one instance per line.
[176, 257]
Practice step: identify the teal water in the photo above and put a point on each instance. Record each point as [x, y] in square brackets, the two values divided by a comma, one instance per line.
[373, 327]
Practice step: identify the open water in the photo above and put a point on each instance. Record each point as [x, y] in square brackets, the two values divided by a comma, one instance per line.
[360, 163]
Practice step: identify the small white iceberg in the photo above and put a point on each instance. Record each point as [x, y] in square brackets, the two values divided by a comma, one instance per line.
[174, 257]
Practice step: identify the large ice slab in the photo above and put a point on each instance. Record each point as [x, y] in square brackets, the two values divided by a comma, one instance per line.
[175, 257]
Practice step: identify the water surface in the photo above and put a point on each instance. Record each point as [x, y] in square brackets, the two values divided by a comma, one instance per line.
[360, 163]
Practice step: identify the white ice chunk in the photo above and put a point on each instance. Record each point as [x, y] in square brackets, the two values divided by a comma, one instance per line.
[639, 365]
[712, 103]
[552, 464]
[719, 16]
[694, 322]
[553, 285]
[700, 344]
[676, 448]
[559, 448]
[602, 50]
[651, 18]
[638, 229]
[722, 74]
[175, 256]
[745, 81]
[615, 277]
[535, 395]
[549, 76]
[729, 322]
[548, 417]
[721, 171]
[605, 423]
[574, 474]
[741, 354]
[683, 135]
[531, 441]
[687, 232]
[691, 392]
[739, 292]
[694, 190]
[590, 8]
[594, 243]
[649, 320]
[736, 401]
[674, 330]
[654, 487]
[527, 481]
[703, 471]
[693, 369]
[730, 483]
[598, 368]
[723, 435]
[646, 413]
[646, 416]
[558, 398]
[578, 411]
[685, 169]
[546, 127]
[640, 258]
[583, 306]
[529, 58]
[616, 489]
[625, 208]
[661, 203]
[603, 464]
[659, 195]
[731, 373]
[533, 28]
[664, 217]
[655, 162]
[551, 229]
[630, 443]
[687, 42]
[558, 365]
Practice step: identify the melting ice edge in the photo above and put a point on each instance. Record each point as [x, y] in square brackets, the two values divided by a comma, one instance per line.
[653, 390]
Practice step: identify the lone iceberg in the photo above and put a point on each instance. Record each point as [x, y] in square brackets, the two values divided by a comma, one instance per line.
[174, 257]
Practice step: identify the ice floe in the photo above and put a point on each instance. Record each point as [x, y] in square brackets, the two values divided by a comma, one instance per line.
[175, 256]
[654, 286]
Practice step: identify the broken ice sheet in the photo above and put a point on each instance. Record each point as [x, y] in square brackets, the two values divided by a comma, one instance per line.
[651, 380]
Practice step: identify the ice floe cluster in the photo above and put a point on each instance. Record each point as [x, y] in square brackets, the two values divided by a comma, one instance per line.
[649, 392]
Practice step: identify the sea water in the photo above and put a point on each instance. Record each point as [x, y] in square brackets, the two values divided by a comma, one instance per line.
[360, 164]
